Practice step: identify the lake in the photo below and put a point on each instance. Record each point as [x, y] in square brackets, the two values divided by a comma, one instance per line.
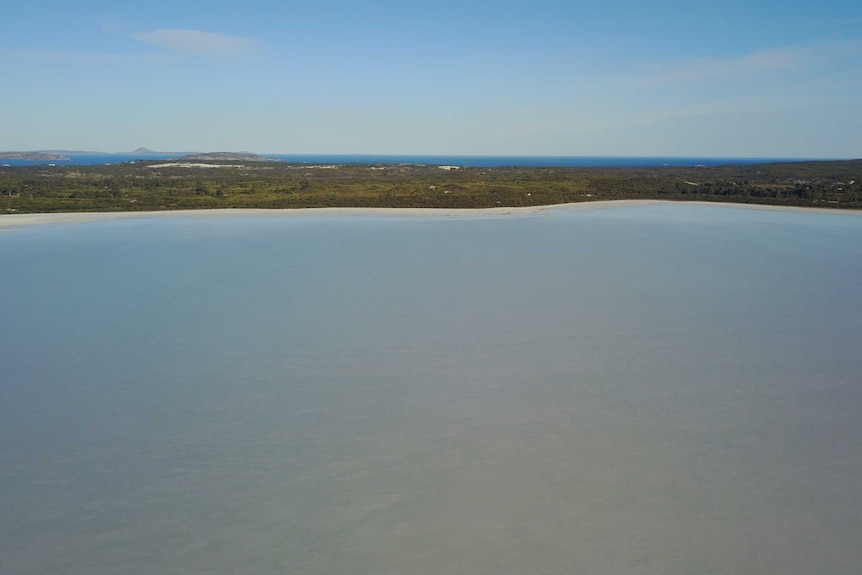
[664, 389]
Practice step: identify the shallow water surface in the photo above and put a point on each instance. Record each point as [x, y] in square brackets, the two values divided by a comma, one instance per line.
[663, 389]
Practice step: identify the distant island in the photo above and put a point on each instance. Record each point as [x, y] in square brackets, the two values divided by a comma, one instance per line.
[33, 156]
[228, 157]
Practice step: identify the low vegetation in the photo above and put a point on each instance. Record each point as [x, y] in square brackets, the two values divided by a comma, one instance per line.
[155, 186]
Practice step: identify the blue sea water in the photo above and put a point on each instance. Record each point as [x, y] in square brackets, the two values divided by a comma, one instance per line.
[651, 390]
[469, 161]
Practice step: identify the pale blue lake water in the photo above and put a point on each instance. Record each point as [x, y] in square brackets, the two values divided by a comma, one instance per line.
[671, 389]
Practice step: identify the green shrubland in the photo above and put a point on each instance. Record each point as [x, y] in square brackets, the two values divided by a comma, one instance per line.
[142, 186]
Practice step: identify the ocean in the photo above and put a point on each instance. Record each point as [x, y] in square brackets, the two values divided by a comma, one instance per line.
[467, 161]
[659, 389]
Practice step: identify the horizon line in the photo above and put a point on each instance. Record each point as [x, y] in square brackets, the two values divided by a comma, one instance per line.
[436, 154]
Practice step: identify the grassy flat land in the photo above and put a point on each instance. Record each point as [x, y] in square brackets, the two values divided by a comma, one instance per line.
[156, 186]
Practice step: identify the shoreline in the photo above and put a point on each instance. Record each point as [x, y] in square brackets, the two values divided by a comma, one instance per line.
[9, 222]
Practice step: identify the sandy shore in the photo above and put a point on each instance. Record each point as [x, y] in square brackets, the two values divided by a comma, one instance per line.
[9, 222]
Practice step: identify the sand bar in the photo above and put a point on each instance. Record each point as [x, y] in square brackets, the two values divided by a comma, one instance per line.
[8, 222]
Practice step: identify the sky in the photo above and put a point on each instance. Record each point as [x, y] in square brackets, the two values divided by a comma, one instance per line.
[753, 78]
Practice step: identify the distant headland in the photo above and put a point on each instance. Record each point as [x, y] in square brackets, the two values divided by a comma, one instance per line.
[228, 157]
[33, 156]
[67, 156]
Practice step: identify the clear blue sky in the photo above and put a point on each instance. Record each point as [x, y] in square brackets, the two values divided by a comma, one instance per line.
[764, 78]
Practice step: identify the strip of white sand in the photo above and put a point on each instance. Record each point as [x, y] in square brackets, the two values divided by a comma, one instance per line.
[9, 222]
